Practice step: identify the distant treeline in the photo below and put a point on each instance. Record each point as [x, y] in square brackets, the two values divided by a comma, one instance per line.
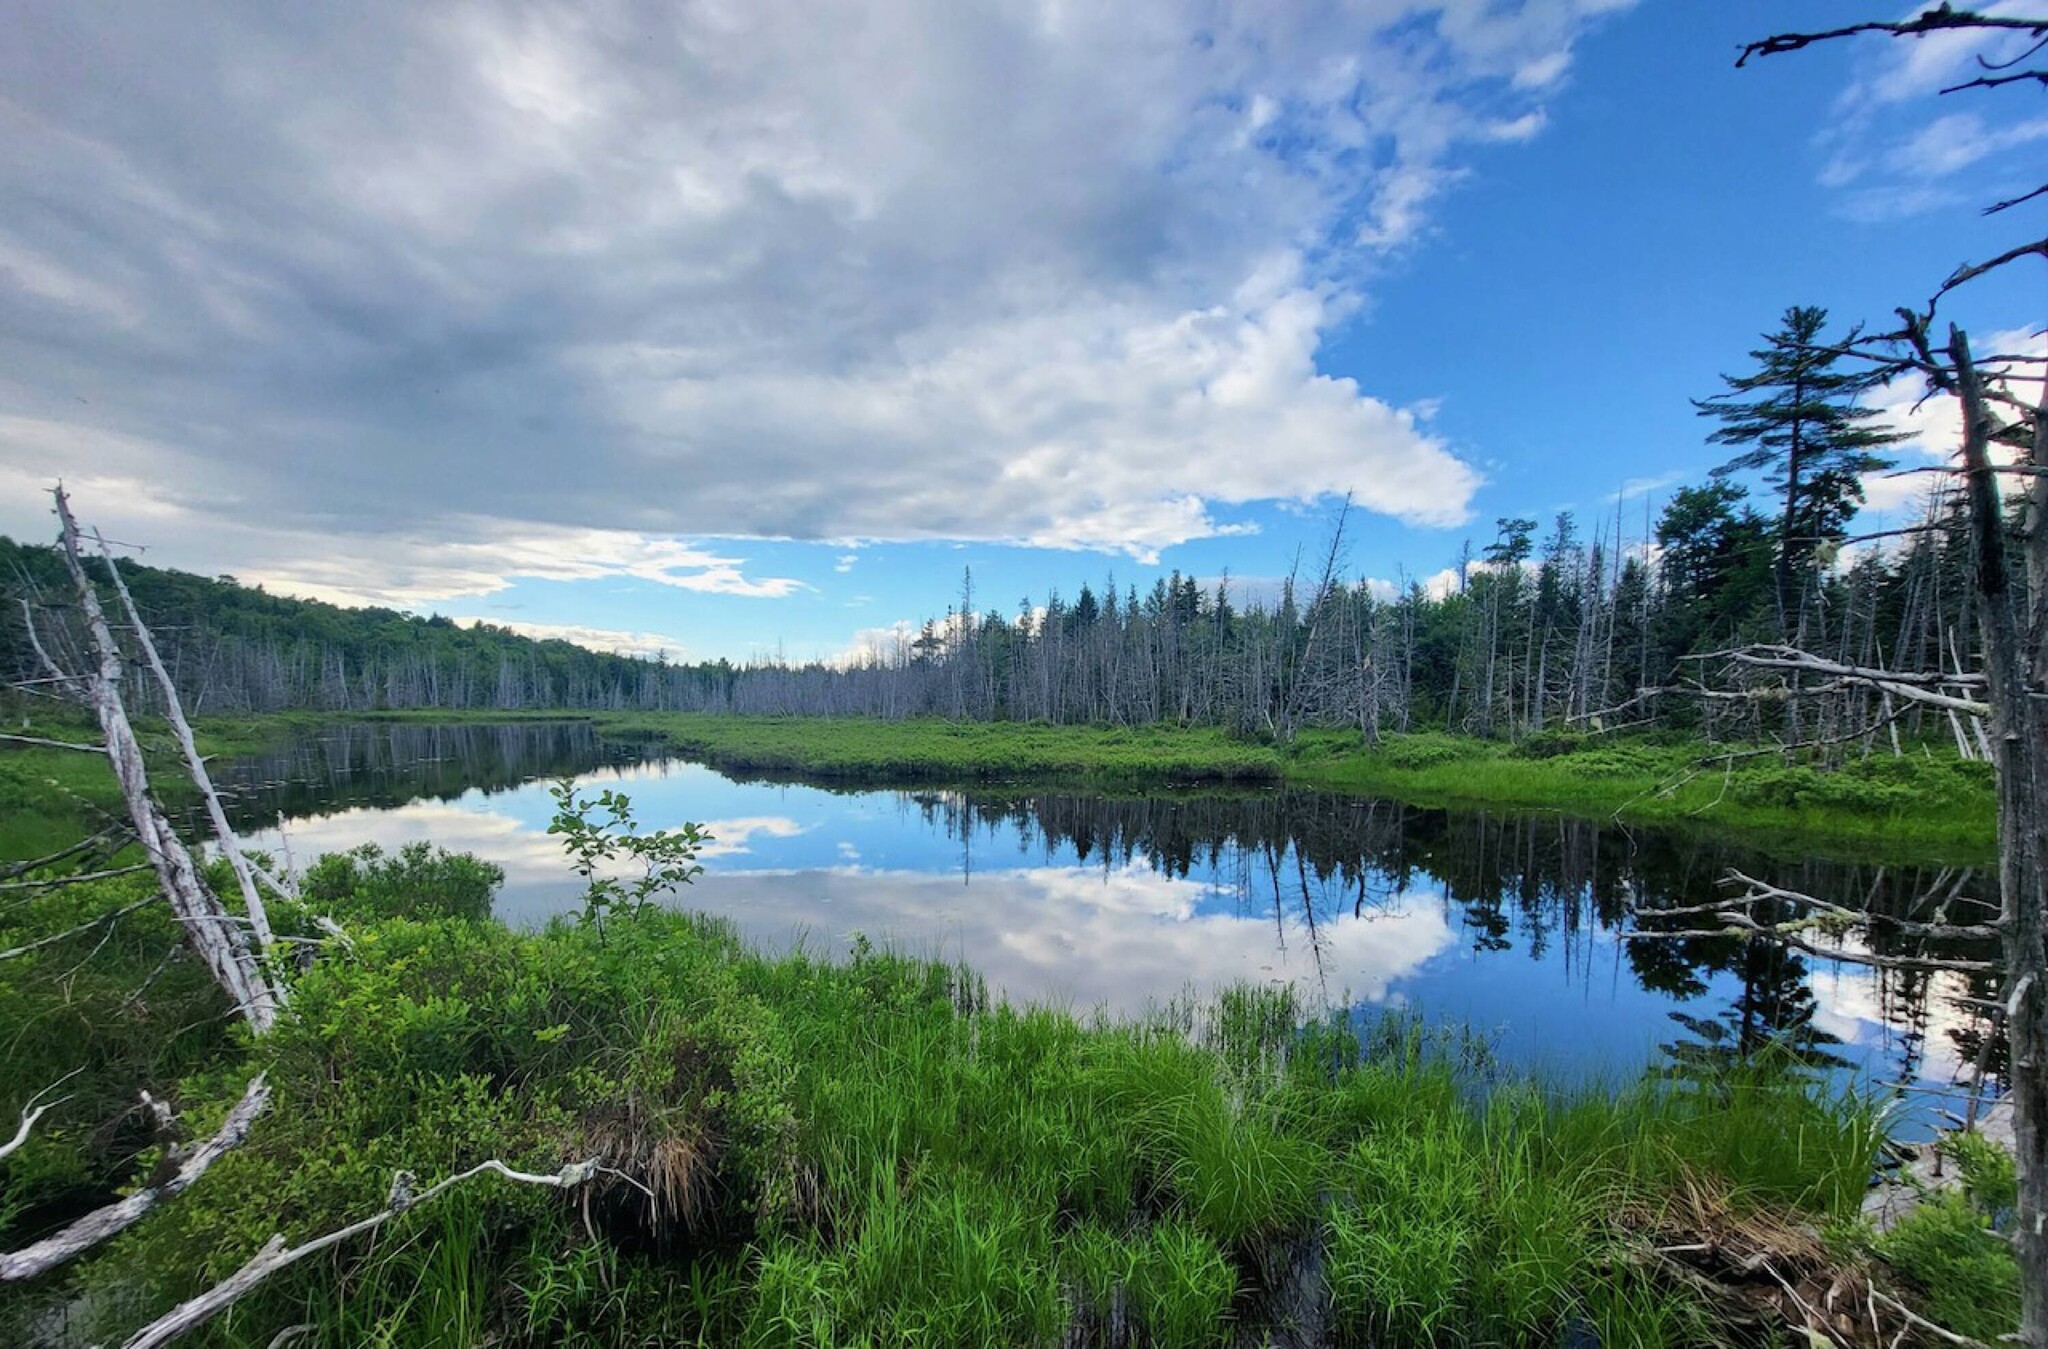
[1532, 634]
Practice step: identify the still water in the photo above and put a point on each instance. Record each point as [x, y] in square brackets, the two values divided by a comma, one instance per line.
[1507, 924]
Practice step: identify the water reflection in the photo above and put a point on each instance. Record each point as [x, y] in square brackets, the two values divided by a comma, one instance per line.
[375, 764]
[1508, 923]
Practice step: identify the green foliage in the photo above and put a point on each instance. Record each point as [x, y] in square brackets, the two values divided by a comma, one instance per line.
[1906, 806]
[869, 1151]
[1806, 431]
[666, 858]
[1964, 1272]
[856, 748]
[87, 1021]
[1990, 1176]
[1878, 786]
[1427, 750]
[421, 881]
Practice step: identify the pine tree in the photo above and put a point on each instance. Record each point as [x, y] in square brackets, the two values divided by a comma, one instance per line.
[1807, 434]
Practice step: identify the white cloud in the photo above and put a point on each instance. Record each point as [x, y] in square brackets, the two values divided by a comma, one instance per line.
[459, 556]
[644, 645]
[1934, 426]
[1638, 487]
[1894, 139]
[733, 837]
[1544, 71]
[1955, 142]
[603, 278]
[1440, 585]
[845, 562]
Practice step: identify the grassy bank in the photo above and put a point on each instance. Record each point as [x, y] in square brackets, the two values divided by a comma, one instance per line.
[1921, 806]
[50, 798]
[864, 1150]
[958, 751]
[1911, 808]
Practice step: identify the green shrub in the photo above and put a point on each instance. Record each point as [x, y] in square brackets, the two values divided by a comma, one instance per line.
[1425, 750]
[421, 881]
[1964, 1273]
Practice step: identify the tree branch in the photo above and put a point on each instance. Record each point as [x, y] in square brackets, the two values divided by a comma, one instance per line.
[1932, 21]
[275, 1255]
[35, 1109]
[87, 926]
[101, 1224]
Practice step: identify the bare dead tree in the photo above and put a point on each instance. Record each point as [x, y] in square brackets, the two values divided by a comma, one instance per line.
[222, 938]
[215, 933]
[2009, 693]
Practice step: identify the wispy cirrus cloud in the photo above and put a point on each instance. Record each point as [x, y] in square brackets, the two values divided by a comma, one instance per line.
[1896, 146]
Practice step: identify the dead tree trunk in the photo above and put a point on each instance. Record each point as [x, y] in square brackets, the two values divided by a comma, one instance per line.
[216, 934]
[2016, 673]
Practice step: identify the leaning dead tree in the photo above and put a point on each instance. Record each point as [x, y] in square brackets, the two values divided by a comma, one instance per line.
[238, 949]
[2004, 438]
[234, 947]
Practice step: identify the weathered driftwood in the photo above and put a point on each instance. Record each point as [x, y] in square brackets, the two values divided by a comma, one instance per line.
[275, 1255]
[210, 928]
[101, 1224]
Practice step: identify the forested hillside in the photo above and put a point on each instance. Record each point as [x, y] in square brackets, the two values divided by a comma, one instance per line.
[1541, 631]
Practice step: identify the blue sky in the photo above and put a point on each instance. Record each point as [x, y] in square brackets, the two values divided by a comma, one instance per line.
[737, 330]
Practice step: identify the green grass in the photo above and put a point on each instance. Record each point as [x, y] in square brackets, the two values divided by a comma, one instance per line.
[50, 798]
[955, 750]
[1923, 805]
[867, 1151]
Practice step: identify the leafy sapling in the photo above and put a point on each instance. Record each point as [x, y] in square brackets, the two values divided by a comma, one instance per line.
[601, 846]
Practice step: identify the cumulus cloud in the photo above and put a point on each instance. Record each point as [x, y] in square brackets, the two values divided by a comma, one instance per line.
[1933, 427]
[1049, 274]
[643, 645]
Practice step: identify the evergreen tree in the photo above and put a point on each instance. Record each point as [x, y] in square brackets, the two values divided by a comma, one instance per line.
[1807, 434]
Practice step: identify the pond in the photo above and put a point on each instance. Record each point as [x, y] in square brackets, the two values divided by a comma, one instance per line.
[1508, 924]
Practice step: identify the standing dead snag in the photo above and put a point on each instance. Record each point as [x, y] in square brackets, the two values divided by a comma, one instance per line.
[2012, 609]
[2016, 670]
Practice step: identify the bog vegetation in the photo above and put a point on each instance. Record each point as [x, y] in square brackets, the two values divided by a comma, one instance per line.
[818, 1150]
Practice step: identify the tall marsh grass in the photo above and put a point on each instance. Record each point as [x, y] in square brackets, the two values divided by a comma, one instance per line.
[866, 1151]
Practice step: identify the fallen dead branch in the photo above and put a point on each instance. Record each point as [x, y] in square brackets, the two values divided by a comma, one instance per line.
[275, 1255]
[103, 1223]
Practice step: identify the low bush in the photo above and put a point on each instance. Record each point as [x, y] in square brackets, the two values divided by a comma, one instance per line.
[420, 881]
